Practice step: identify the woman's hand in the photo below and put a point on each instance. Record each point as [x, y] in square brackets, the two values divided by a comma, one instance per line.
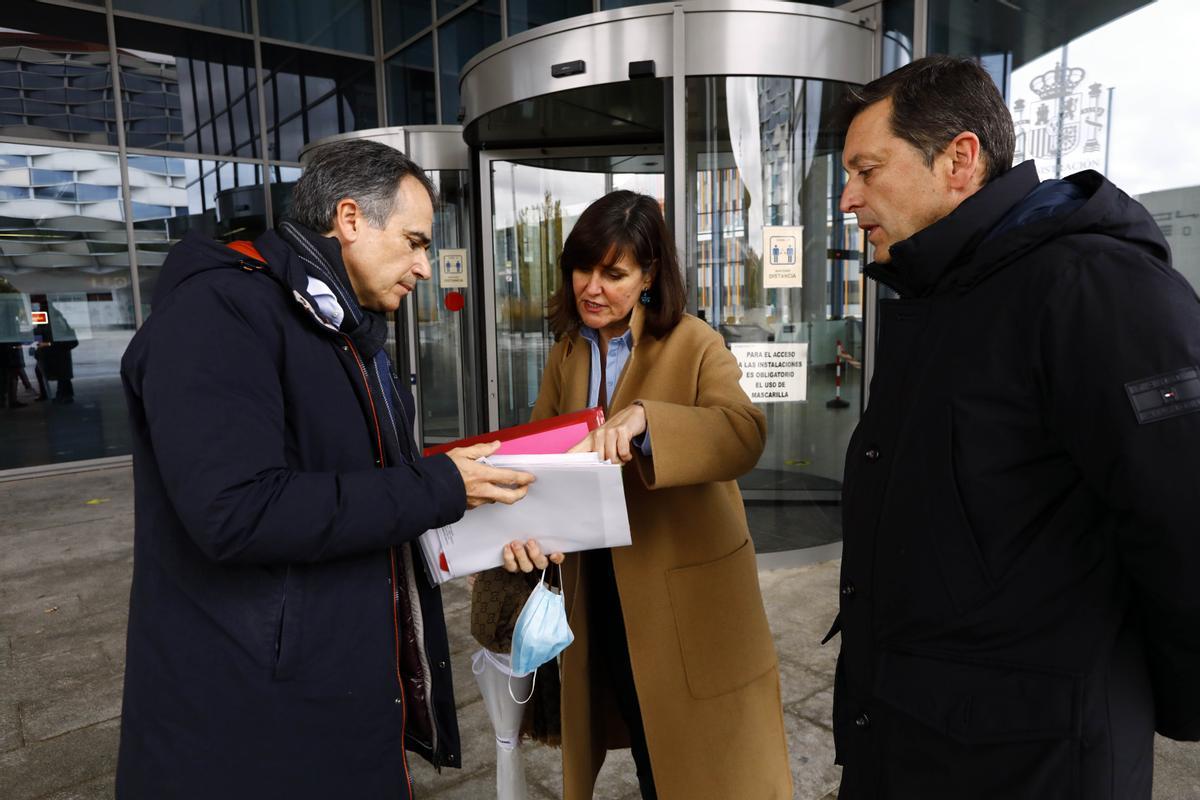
[527, 556]
[612, 440]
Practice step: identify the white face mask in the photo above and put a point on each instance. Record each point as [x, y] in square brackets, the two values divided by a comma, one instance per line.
[541, 632]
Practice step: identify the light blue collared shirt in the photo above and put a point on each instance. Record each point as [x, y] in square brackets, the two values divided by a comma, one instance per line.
[619, 350]
[331, 309]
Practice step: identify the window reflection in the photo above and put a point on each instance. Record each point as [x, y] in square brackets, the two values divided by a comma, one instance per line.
[458, 41]
[337, 24]
[413, 99]
[187, 91]
[171, 196]
[66, 305]
[55, 81]
[526, 14]
[403, 19]
[312, 95]
[231, 14]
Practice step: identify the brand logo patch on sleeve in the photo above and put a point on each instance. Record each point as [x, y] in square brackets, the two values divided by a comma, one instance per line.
[1168, 395]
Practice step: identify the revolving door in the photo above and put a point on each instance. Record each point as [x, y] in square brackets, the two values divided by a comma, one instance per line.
[726, 114]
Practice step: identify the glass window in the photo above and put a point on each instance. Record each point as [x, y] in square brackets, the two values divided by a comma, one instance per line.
[337, 24]
[763, 180]
[312, 95]
[187, 91]
[171, 196]
[231, 14]
[66, 309]
[283, 180]
[1085, 84]
[526, 14]
[898, 20]
[459, 40]
[444, 7]
[56, 69]
[412, 98]
[402, 19]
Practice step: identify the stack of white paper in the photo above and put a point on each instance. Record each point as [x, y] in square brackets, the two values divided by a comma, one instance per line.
[577, 503]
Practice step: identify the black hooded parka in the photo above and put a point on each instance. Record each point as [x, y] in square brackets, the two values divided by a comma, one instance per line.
[278, 604]
[1019, 608]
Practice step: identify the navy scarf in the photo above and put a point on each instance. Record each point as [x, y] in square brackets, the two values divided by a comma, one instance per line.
[366, 329]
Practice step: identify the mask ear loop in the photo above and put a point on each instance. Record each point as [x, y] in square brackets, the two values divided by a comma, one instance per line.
[533, 685]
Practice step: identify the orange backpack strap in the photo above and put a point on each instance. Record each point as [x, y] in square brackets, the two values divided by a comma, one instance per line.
[247, 248]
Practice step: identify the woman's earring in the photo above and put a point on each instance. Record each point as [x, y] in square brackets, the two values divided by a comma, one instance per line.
[645, 296]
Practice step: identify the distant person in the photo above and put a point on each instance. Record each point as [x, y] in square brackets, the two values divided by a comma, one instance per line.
[285, 640]
[672, 653]
[12, 359]
[53, 356]
[1019, 611]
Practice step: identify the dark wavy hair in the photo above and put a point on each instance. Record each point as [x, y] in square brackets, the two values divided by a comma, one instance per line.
[622, 223]
[935, 99]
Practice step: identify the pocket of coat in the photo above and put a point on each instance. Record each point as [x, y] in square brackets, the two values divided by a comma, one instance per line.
[287, 629]
[721, 623]
[980, 703]
[960, 560]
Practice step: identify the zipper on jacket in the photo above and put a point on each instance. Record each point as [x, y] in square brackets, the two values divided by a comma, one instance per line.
[392, 556]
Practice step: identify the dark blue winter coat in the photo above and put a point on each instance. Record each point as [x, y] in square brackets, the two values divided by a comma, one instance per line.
[277, 596]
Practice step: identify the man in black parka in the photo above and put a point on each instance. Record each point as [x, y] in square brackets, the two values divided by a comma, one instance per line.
[1019, 603]
[284, 638]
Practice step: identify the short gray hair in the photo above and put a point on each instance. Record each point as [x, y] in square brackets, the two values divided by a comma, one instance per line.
[365, 171]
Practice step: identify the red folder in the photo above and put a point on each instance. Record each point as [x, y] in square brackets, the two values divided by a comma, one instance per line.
[554, 435]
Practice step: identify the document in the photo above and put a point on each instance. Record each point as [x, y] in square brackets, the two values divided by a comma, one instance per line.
[577, 503]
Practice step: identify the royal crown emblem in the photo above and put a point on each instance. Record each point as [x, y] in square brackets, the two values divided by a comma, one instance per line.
[1058, 82]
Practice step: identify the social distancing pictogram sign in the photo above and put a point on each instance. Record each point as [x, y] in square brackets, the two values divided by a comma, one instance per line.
[454, 269]
[782, 262]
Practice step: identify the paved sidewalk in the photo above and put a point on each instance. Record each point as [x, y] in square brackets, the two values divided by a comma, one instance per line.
[65, 561]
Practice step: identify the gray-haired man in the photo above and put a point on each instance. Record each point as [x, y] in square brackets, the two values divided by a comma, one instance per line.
[283, 638]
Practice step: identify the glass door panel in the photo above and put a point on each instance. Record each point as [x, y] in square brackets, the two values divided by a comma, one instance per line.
[444, 320]
[535, 203]
[776, 269]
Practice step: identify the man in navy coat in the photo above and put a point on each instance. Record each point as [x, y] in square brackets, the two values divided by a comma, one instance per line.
[284, 638]
[1019, 611]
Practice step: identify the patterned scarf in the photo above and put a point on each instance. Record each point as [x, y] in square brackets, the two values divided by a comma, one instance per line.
[366, 329]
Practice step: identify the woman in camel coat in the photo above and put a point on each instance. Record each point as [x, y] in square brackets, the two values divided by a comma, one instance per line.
[672, 652]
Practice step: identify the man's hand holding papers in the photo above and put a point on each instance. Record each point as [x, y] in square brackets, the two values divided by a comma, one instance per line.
[485, 483]
[578, 504]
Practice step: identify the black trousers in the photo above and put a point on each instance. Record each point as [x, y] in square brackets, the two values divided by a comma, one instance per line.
[610, 658]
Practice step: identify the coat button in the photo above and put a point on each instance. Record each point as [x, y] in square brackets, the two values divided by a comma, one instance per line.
[399, 701]
[441, 665]
[862, 720]
[872, 454]
[847, 589]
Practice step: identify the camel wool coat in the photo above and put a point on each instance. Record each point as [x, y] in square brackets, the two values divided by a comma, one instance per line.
[703, 658]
